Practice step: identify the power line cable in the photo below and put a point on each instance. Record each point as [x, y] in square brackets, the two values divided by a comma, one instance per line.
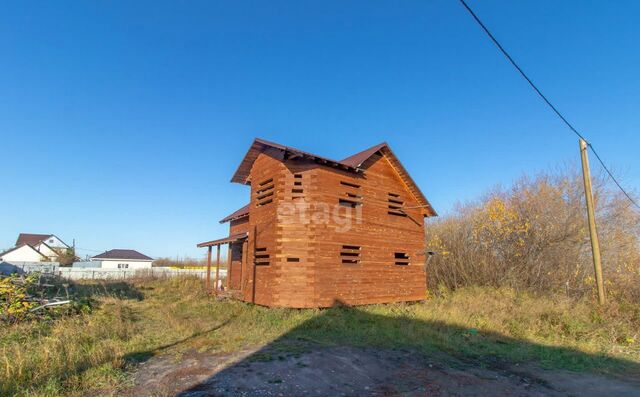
[544, 98]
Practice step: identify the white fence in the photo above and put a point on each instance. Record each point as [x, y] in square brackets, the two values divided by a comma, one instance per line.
[121, 274]
[28, 267]
[94, 273]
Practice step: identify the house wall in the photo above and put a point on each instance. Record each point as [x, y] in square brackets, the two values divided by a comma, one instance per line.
[23, 254]
[261, 281]
[235, 270]
[113, 264]
[46, 251]
[55, 242]
[239, 225]
[304, 230]
[375, 278]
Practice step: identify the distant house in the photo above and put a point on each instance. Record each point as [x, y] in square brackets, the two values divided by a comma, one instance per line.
[23, 253]
[123, 259]
[34, 239]
[35, 248]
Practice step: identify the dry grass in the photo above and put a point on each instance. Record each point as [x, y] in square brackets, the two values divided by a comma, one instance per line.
[95, 352]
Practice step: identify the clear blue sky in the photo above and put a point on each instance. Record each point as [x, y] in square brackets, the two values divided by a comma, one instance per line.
[122, 122]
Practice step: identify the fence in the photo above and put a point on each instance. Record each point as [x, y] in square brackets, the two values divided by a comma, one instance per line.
[28, 267]
[121, 274]
[89, 273]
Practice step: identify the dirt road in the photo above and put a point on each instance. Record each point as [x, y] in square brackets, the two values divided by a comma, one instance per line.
[347, 371]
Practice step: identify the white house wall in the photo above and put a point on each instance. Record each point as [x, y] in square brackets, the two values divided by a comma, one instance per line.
[113, 264]
[54, 242]
[46, 251]
[22, 254]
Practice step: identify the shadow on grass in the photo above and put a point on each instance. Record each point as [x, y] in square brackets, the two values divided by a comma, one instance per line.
[142, 356]
[296, 358]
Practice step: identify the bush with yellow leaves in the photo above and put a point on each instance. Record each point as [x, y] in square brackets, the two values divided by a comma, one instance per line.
[15, 301]
[535, 236]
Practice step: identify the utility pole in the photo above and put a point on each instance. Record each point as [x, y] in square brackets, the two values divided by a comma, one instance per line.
[595, 244]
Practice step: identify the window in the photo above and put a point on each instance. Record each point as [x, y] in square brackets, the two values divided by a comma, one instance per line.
[350, 254]
[50, 241]
[395, 205]
[351, 197]
[264, 193]
[261, 257]
[401, 258]
[297, 191]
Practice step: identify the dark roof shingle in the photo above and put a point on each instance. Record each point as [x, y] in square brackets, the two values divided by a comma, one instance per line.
[242, 212]
[122, 254]
[351, 163]
[31, 239]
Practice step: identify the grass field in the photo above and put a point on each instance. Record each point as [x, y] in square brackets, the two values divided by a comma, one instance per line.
[130, 323]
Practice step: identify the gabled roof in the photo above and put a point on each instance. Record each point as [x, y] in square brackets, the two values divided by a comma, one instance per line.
[21, 246]
[45, 244]
[122, 254]
[241, 213]
[259, 145]
[351, 164]
[29, 238]
[357, 159]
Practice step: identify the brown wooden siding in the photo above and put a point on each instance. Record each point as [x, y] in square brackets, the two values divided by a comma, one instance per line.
[304, 267]
[239, 226]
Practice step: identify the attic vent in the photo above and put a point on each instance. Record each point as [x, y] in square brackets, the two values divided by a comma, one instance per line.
[395, 205]
[352, 197]
[353, 185]
[350, 254]
[298, 191]
[401, 258]
[264, 192]
[261, 256]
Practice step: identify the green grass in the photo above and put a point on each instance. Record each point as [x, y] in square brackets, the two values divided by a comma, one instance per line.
[131, 323]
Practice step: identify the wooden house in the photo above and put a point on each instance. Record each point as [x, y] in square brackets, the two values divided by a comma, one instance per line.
[320, 232]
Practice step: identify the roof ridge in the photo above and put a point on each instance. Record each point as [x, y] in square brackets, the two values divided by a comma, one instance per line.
[357, 159]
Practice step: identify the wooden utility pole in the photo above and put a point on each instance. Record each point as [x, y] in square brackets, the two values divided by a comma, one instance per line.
[595, 244]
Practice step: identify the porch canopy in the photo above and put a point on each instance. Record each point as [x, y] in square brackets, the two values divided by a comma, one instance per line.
[229, 239]
[217, 243]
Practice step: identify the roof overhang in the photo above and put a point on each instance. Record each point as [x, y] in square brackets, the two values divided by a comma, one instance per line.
[352, 164]
[259, 145]
[229, 239]
[238, 214]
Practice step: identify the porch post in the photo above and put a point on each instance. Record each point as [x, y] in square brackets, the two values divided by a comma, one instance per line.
[208, 282]
[215, 287]
[243, 265]
[229, 267]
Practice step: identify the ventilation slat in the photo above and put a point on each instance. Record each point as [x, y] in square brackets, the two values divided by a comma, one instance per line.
[265, 192]
[401, 258]
[261, 256]
[350, 254]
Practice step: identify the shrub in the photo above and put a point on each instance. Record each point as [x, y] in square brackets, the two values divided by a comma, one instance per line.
[535, 236]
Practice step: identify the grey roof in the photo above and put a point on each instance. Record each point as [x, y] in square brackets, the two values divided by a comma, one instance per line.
[122, 254]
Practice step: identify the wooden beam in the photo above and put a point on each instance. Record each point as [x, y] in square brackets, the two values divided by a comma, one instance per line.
[215, 287]
[229, 267]
[243, 264]
[208, 283]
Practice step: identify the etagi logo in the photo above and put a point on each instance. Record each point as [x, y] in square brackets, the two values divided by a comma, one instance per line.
[320, 214]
